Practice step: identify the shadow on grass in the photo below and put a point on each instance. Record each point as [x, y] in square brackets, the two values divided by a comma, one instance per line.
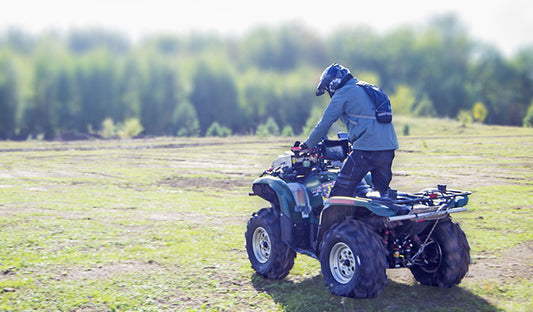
[312, 295]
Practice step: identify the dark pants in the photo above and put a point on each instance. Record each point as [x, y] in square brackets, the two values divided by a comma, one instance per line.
[357, 165]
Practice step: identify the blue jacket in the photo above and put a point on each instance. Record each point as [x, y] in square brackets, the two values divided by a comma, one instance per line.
[357, 111]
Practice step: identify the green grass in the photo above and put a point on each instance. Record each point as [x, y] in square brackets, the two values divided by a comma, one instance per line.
[158, 224]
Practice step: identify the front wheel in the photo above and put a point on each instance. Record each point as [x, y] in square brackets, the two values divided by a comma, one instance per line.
[445, 259]
[268, 254]
[353, 261]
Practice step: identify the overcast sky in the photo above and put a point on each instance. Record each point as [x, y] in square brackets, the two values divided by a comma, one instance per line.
[505, 23]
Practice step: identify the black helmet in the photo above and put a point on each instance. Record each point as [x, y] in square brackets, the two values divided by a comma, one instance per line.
[333, 77]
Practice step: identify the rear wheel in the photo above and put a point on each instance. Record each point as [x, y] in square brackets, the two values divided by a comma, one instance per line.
[445, 259]
[268, 254]
[353, 261]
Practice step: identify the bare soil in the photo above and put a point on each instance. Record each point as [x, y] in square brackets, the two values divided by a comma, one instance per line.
[505, 267]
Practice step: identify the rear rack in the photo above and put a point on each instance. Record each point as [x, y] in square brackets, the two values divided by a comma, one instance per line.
[429, 197]
[425, 205]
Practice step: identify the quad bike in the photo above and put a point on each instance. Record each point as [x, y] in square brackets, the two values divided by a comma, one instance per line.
[355, 238]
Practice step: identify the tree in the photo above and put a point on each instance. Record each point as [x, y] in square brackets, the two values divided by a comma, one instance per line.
[184, 84]
[214, 97]
[186, 120]
[494, 86]
[161, 92]
[283, 48]
[8, 98]
[86, 40]
[54, 104]
[522, 64]
[403, 100]
[361, 48]
[97, 87]
[262, 95]
[130, 80]
[297, 98]
[314, 118]
[442, 58]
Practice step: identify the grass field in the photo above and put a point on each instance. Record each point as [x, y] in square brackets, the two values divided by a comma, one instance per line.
[158, 224]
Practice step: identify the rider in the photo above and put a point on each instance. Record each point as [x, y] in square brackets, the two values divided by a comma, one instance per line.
[373, 143]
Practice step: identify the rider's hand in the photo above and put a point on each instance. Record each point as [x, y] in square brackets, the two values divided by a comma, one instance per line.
[304, 148]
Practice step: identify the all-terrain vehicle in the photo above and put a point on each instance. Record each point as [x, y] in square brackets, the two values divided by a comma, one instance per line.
[355, 238]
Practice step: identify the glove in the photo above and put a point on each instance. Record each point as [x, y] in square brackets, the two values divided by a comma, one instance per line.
[304, 148]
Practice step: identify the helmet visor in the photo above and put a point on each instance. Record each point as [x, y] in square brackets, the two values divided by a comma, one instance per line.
[322, 83]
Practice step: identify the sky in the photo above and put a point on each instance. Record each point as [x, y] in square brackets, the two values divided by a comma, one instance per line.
[508, 24]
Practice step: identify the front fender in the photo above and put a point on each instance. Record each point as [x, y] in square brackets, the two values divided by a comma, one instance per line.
[276, 191]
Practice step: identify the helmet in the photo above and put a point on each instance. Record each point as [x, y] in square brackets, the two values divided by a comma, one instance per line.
[332, 79]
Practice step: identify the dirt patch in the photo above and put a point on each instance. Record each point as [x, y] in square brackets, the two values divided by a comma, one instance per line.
[513, 263]
[107, 270]
[200, 182]
[505, 267]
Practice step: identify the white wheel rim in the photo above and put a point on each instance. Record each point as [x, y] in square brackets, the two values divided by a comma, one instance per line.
[261, 245]
[342, 263]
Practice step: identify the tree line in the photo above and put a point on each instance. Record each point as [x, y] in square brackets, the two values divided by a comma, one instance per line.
[97, 81]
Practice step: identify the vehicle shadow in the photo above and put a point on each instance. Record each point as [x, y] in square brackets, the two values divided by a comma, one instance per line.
[312, 295]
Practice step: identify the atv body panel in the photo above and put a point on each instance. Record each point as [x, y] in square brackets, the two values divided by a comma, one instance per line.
[413, 231]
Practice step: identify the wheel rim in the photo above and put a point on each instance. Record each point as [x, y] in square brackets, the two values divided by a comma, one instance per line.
[342, 263]
[261, 245]
[432, 257]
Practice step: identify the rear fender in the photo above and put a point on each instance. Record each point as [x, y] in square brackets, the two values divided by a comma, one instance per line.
[338, 208]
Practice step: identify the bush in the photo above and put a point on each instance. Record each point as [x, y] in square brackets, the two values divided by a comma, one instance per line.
[131, 128]
[479, 112]
[270, 128]
[528, 120]
[216, 130]
[287, 131]
[403, 100]
[464, 117]
[406, 129]
[108, 128]
[425, 108]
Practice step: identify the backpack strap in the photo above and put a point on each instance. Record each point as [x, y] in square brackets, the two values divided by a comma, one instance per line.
[360, 116]
[350, 116]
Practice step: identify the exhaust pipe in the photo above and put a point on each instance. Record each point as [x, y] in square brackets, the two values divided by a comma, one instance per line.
[426, 214]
